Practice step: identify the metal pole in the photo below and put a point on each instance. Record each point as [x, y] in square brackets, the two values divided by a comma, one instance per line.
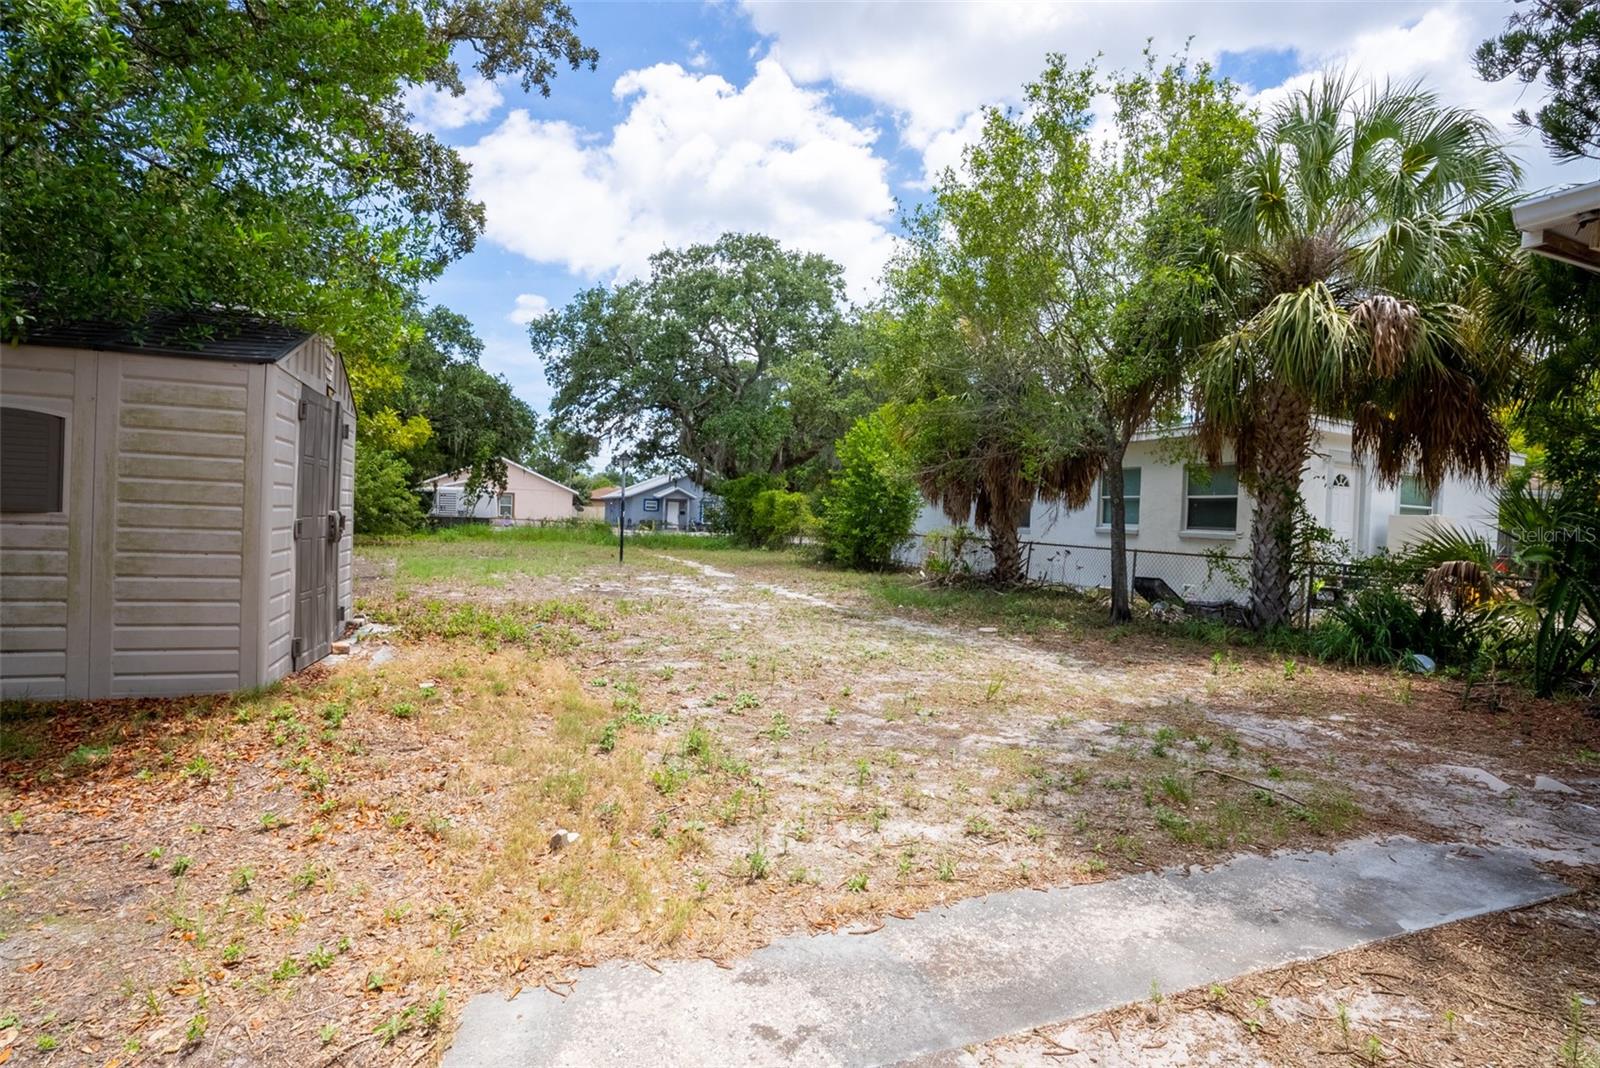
[622, 513]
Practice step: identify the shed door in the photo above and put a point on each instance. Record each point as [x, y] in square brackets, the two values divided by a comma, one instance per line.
[316, 529]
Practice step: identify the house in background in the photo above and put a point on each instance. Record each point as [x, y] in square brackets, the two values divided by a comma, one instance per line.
[1178, 511]
[528, 497]
[665, 501]
[175, 507]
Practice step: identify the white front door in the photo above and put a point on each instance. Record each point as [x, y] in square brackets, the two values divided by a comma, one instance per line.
[1342, 504]
[674, 509]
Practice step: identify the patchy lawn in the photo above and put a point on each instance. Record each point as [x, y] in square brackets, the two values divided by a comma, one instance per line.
[744, 746]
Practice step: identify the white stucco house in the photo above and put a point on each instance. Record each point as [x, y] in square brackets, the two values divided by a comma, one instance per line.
[527, 497]
[1178, 510]
[175, 506]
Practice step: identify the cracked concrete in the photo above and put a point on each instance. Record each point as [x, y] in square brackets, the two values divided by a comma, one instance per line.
[995, 965]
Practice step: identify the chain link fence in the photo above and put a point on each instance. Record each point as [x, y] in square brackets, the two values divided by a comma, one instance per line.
[1215, 579]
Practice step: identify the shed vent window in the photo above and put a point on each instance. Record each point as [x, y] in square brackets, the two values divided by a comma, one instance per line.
[31, 446]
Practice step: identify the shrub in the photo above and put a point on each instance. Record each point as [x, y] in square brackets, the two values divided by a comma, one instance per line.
[947, 555]
[385, 503]
[736, 516]
[779, 517]
[1381, 625]
[871, 504]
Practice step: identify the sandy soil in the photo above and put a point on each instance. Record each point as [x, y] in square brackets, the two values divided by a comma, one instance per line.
[747, 748]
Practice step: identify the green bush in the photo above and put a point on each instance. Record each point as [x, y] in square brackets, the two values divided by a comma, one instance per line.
[1382, 625]
[737, 514]
[385, 502]
[871, 504]
[778, 518]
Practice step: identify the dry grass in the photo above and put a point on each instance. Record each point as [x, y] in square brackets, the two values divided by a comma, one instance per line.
[742, 753]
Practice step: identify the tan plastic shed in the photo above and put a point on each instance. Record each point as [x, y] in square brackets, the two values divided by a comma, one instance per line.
[175, 507]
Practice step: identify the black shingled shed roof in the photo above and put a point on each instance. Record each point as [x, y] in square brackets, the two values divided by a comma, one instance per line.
[228, 336]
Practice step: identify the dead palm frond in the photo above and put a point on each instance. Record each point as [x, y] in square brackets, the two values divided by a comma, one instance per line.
[1462, 584]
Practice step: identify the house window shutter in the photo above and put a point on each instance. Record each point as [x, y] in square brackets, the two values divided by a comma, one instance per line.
[32, 445]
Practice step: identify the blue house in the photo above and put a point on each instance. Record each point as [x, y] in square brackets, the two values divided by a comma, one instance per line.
[665, 501]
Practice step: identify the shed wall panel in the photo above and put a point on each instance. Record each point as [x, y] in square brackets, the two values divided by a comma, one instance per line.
[280, 456]
[44, 557]
[182, 489]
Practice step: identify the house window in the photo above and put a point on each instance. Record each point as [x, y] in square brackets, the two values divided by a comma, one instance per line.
[1211, 499]
[652, 504]
[1132, 478]
[506, 502]
[1415, 497]
[32, 445]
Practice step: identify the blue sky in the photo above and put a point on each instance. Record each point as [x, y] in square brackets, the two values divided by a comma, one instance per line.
[812, 122]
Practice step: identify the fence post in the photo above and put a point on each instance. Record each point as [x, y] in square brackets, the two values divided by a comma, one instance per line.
[1311, 585]
[1133, 572]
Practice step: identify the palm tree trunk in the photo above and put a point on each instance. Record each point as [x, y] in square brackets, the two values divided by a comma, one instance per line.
[1283, 446]
[1007, 553]
[1121, 610]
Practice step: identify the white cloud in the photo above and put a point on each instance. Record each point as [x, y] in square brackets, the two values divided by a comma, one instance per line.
[934, 64]
[437, 110]
[695, 156]
[529, 307]
[1433, 51]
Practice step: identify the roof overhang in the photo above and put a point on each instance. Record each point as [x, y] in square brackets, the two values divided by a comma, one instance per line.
[1563, 226]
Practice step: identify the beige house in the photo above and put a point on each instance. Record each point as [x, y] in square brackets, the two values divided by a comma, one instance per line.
[527, 497]
[174, 507]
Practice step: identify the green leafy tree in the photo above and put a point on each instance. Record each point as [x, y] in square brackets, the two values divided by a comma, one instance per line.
[159, 155]
[989, 416]
[1069, 235]
[871, 503]
[1344, 288]
[733, 356]
[385, 500]
[447, 413]
[1557, 41]
[1117, 207]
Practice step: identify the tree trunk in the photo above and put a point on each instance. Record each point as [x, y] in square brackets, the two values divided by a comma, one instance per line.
[1007, 552]
[1121, 611]
[1283, 446]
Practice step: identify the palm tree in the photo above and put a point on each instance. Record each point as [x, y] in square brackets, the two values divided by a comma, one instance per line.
[1344, 279]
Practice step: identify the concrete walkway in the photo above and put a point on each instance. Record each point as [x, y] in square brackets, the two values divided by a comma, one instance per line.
[995, 965]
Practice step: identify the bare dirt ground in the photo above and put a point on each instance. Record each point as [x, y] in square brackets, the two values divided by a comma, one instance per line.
[745, 747]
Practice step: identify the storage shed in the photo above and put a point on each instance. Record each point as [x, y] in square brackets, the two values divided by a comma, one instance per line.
[175, 507]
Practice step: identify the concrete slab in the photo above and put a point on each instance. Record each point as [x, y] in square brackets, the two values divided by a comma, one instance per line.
[1478, 775]
[995, 965]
